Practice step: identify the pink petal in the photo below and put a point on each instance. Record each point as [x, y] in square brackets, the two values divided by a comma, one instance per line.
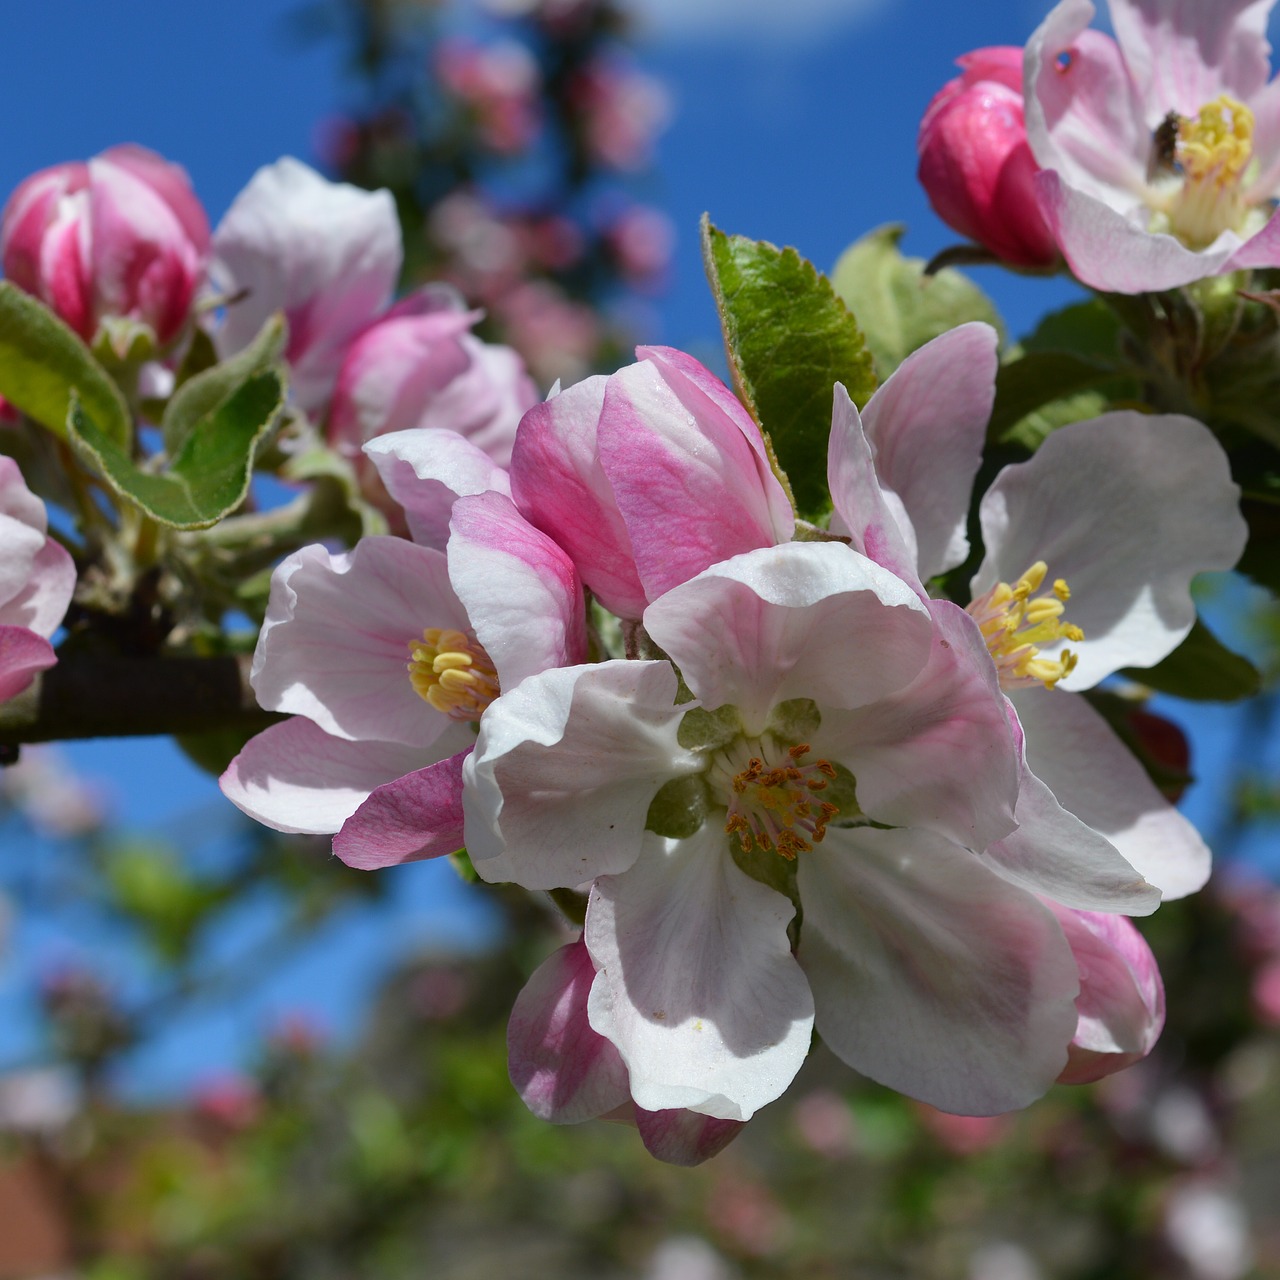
[927, 424]
[564, 1071]
[560, 487]
[520, 589]
[685, 1138]
[42, 601]
[23, 655]
[171, 183]
[415, 816]
[932, 975]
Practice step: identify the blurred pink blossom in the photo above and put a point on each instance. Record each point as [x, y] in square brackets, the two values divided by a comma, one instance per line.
[500, 83]
[622, 112]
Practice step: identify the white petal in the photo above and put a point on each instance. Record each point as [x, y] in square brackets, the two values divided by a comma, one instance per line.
[696, 984]
[565, 768]
[335, 644]
[1073, 750]
[931, 974]
[1127, 508]
[802, 620]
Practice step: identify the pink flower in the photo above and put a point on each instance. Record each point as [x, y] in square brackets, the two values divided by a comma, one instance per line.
[420, 366]
[647, 477]
[622, 113]
[120, 237]
[642, 241]
[1121, 1000]
[389, 655]
[37, 579]
[1160, 149]
[500, 83]
[976, 164]
[325, 253]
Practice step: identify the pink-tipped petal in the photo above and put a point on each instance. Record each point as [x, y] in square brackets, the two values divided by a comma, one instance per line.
[927, 424]
[416, 816]
[685, 1138]
[23, 655]
[696, 983]
[564, 1071]
[520, 589]
[931, 974]
[560, 487]
[42, 601]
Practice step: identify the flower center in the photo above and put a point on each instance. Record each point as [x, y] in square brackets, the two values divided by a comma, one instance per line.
[451, 671]
[1212, 152]
[772, 802]
[1015, 623]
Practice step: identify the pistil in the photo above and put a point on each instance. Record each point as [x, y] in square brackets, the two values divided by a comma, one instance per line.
[451, 672]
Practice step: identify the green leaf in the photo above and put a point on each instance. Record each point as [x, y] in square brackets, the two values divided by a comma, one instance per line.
[897, 305]
[43, 364]
[204, 393]
[1202, 669]
[790, 339]
[210, 475]
[1038, 379]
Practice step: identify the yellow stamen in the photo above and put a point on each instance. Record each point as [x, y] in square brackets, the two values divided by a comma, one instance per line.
[1213, 152]
[772, 805]
[452, 673]
[1015, 624]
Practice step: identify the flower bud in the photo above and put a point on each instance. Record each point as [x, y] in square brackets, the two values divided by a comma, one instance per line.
[120, 237]
[420, 366]
[1121, 1000]
[976, 164]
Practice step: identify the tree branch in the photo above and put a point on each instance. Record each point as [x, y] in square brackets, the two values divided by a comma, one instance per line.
[112, 696]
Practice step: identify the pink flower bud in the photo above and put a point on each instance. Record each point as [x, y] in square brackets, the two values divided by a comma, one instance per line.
[120, 237]
[976, 164]
[1121, 1000]
[420, 366]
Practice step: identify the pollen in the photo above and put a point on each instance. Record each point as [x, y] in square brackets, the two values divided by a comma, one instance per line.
[1213, 153]
[774, 798]
[451, 672]
[1016, 622]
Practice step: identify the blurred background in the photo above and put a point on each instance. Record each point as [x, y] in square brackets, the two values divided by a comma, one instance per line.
[224, 1055]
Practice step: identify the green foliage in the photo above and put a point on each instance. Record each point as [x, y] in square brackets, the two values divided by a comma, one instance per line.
[1202, 669]
[198, 400]
[898, 306]
[44, 366]
[209, 476]
[789, 339]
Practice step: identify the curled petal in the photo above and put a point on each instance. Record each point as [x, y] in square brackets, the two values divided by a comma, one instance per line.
[23, 655]
[685, 1138]
[696, 984]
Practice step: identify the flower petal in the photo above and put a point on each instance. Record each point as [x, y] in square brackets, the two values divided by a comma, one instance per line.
[687, 468]
[42, 601]
[931, 974]
[1184, 53]
[685, 1138]
[696, 984]
[415, 816]
[938, 754]
[295, 777]
[1127, 508]
[23, 655]
[520, 589]
[1073, 750]
[426, 470]
[927, 424]
[779, 623]
[564, 1071]
[565, 768]
[335, 644]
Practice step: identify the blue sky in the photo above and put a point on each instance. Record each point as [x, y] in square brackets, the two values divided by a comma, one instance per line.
[795, 122]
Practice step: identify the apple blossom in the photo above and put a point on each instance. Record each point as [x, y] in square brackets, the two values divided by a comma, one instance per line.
[647, 477]
[1160, 149]
[975, 163]
[598, 774]
[37, 578]
[119, 238]
[387, 656]
[325, 253]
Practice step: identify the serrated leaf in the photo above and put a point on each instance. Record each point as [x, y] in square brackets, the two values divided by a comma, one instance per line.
[210, 475]
[204, 393]
[43, 363]
[898, 307]
[790, 339]
[1201, 669]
